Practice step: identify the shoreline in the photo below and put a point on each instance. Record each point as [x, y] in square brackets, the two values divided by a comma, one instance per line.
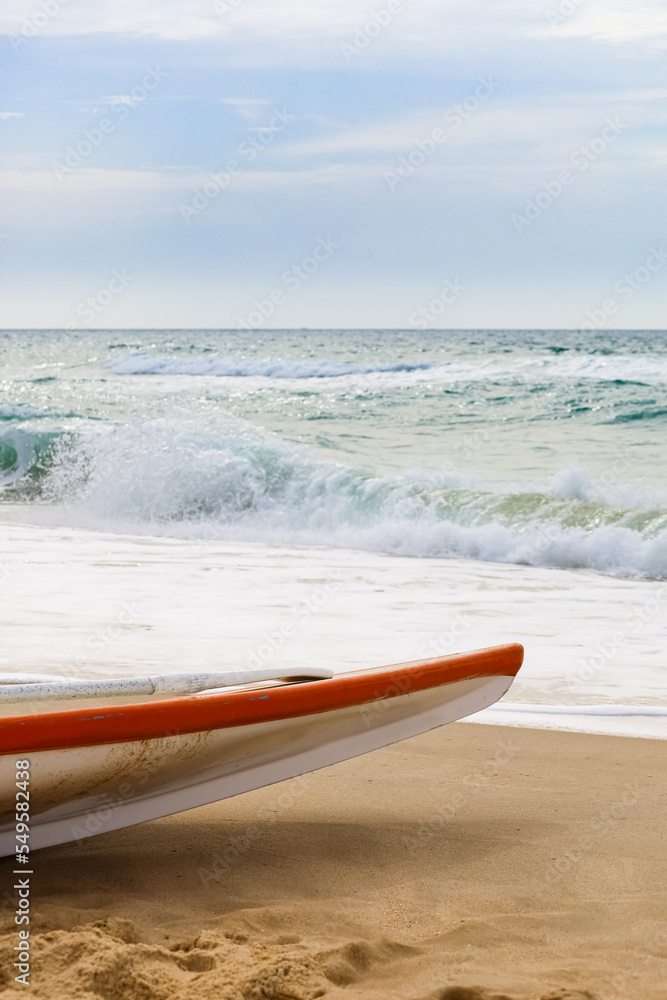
[103, 605]
[469, 856]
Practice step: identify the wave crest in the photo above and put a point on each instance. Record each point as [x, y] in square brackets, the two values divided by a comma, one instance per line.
[581, 368]
[171, 478]
[150, 364]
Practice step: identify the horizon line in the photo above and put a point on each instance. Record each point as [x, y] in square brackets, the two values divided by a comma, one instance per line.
[311, 329]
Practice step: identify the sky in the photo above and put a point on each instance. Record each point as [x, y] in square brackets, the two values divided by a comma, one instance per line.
[271, 163]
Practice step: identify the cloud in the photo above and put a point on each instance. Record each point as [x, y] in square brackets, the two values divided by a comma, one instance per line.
[287, 32]
[559, 82]
[40, 181]
[11, 114]
[249, 108]
[380, 137]
[180, 182]
[534, 126]
[116, 99]
[616, 23]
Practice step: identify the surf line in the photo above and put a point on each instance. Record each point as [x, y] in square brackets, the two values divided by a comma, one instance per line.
[22, 885]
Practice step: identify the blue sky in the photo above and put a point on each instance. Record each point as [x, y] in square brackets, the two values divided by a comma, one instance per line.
[514, 148]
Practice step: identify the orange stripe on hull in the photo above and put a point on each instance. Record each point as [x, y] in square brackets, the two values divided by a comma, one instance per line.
[202, 713]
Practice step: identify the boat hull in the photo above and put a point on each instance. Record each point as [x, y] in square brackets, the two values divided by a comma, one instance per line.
[80, 791]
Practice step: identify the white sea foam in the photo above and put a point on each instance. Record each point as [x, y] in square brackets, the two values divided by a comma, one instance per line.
[149, 364]
[97, 605]
[641, 368]
[604, 711]
[173, 478]
[577, 483]
[495, 414]
[609, 368]
[20, 411]
[611, 719]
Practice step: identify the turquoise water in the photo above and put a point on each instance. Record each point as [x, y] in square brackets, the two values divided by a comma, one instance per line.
[538, 447]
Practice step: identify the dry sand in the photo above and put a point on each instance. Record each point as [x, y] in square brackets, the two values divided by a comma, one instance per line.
[472, 862]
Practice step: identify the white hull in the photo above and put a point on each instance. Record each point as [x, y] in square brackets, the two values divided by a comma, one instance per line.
[82, 791]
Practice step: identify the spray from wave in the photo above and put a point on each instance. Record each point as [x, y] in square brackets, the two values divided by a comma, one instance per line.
[25, 458]
[170, 477]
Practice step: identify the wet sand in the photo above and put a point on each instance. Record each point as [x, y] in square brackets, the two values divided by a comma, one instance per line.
[471, 862]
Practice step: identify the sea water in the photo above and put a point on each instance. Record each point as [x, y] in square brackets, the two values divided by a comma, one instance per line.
[387, 494]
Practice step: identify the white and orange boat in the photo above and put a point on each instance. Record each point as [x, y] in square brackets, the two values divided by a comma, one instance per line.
[102, 755]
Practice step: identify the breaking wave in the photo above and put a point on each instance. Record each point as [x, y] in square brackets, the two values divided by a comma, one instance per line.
[621, 369]
[150, 364]
[170, 477]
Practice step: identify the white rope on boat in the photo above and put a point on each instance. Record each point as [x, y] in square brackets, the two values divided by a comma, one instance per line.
[14, 687]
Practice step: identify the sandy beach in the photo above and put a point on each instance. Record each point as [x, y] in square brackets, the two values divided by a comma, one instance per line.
[332, 347]
[506, 862]
[471, 862]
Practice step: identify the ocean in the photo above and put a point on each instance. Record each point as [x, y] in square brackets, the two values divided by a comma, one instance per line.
[439, 490]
